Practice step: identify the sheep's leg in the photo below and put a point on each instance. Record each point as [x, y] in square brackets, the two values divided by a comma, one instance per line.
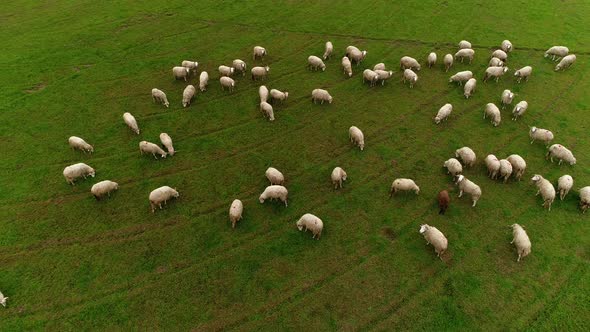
[560, 161]
[474, 202]
[518, 260]
[461, 193]
[511, 242]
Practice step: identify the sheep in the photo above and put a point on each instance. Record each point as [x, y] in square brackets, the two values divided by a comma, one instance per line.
[519, 109]
[357, 56]
[431, 59]
[383, 75]
[311, 222]
[356, 137]
[521, 241]
[469, 187]
[130, 122]
[347, 66]
[338, 175]
[371, 76]
[469, 87]
[557, 52]
[103, 188]
[192, 65]
[227, 82]
[566, 62]
[467, 156]
[161, 195]
[203, 81]
[465, 53]
[562, 153]
[329, 50]
[443, 113]
[351, 48]
[3, 299]
[314, 62]
[181, 73]
[235, 212]
[166, 141]
[73, 172]
[505, 169]
[379, 66]
[462, 76]
[321, 95]
[585, 198]
[500, 55]
[495, 62]
[410, 76]
[544, 135]
[76, 142]
[279, 95]
[188, 94]
[403, 185]
[263, 93]
[274, 192]
[448, 61]
[464, 44]
[259, 72]
[225, 70]
[506, 46]
[259, 52]
[518, 165]
[443, 201]
[239, 66]
[436, 237]
[274, 176]
[453, 167]
[407, 62]
[507, 97]
[267, 110]
[564, 184]
[494, 72]
[493, 112]
[523, 72]
[545, 189]
[159, 96]
[493, 165]
[147, 147]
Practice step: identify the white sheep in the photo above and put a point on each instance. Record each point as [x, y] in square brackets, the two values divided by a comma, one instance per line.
[75, 171]
[347, 66]
[469, 187]
[505, 169]
[436, 238]
[314, 62]
[130, 122]
[383, 75]
[371, 76]
[521, 241]
[495, 62]
[519, 109]
[259, 52]
[379, 66]
[356, 137]
[500, 55]
[469, 87]
[507, 97]
[448, 61]
[462, 76]
[562, 153]
[431, 59]
[566, 62]
[518, 165]
[403, 185]
[464, 44]
[235, 212]
[279, 95]
[259, 72]
[181, 73]
[410, 76]
[151, 148]
[495, 72]
[543, 135]
[493, 112]
[103, 188]
[321, 95]
[263, 93]
[192, 65]
[493, 165]
[311, 222]
[443, 113]
[239, 66]
[585, 199]
[557, 52]
[506, 46]
[467, 156]
[329, 50]
[159, 96]
[524, 72]
[161, 195]
[3, 299]
[465, 53]
[225, 70]
[564, 184]
[188, 94]
[274, 176]
[267, 110]
[203, 81]
[166, 141]
[338, 176]
[356, 55]
[453, 167]
[227, 82]
[274, 192]
[407, 62]
[546, 190]
[76, 142]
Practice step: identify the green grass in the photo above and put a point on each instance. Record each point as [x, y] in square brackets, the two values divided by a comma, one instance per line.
[71, 263]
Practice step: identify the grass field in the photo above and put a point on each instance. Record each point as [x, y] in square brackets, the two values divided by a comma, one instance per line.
[68, 262]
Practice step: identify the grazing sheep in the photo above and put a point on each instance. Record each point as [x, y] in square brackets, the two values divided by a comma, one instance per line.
[371, 76]
[267, 110]
[462, 76]
[314, 62]
[469, 87]
[407, 62]
[329, 50]
[519, 109]
[181, 73]
[521, 241]
[356, 137]
[338, 175]
[311, 222]
[448, 61]
[80, 144]
[464, 44]
[188, 94]
[192, 65]
[495, 72]
[562, 153]
[225, 70]
[436, 237]
[235, 212]
[403, 185]
[130, 122]
[410, 76]
[259, 72]
[203, 81]
[357, 56]
[518, 165]
[566, 62]
[383, 75]
[495, 62]
[3, 299]
[505, 169]
[493, 165]
[166, 141]
[161, 195]
[279, 95]
[103, 188]
[557, 52]
[523, 72]
[239, 66]
[465, 53]
[545, 189]
[443, 201]
[564, 184]
[160, 97]
[453, 167]
[443, 113]
[274, 176]
[469, 187]
[259, 52]
[75, 171]
[274, 192]
[467, 156]
[379, 66]
[585, 198]
[347, 66]
[543, 135]
[506, 46]
[263, 93]
[147, 147]
[321, 95]
[500, 55]
[227, 82]
[507, 97]
[493, 112]
[431, 59]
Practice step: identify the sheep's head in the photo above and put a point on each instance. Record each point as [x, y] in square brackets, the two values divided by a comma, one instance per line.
[459, 179]
[437, 121]
[330, 99]
[262, 198]
[166, 103]
[536, 178]
[188, 70]
[92, 172]
[267, 68]
[417, 190]
[547, 54]
[451, 79]
[424, 228]
[418, 67]
[175, 193]
[517, 73]
[533, 129]
[3, 301]
[323, 66]
[163, 154]
[300, 225]
[573, 162]
[558, 67]
[505, 69]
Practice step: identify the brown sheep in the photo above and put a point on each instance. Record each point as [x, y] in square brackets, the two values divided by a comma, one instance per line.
[443, 201]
